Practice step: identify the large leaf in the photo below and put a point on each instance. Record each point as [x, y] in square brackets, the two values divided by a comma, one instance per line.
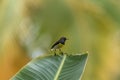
[53, 68]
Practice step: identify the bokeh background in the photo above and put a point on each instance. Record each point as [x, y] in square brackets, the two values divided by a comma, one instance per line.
[29, 27]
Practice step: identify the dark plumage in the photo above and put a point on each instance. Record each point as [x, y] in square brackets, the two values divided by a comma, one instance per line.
[59, 43]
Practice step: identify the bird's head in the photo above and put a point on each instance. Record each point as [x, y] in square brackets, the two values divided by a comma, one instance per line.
[63, 38]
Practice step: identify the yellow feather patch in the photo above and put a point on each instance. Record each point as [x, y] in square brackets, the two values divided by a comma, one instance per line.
[58, 46]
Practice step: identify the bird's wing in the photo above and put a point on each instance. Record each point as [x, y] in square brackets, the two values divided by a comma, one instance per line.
[55, 44]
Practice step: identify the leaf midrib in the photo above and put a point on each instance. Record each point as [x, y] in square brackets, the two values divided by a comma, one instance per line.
[60, 68]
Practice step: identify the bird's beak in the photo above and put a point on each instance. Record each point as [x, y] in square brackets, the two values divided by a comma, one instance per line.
[67, 39]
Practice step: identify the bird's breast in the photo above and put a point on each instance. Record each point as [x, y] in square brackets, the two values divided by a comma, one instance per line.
[58, 46]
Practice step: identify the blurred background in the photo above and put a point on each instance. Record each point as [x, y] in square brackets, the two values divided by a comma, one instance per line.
[28, 28]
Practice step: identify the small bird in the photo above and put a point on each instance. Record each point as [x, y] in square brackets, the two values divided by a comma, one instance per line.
[59, 44]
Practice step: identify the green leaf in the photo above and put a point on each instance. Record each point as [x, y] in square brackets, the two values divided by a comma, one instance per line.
[53, 68]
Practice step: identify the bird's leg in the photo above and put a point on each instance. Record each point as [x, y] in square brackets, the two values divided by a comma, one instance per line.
[61, 51]
[55, 52]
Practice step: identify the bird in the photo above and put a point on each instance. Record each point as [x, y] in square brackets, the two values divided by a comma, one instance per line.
[59, 44]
